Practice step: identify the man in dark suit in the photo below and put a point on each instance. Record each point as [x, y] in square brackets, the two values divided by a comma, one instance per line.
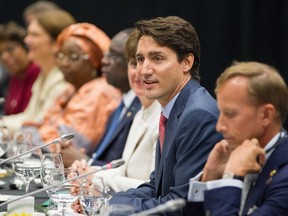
[168, 57]
[116, 141]
[247, 172]
[114, 67]
[111, 146]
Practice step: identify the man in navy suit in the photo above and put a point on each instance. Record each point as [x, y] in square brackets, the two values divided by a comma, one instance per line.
[114, 67]
[168, 58]
[253, 101]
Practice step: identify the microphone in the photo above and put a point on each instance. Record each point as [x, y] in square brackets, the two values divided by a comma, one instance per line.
[169, 206]
[113, 164]
[62, 138]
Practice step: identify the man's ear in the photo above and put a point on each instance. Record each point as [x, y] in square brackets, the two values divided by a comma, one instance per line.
[268, 113]
[188, 62]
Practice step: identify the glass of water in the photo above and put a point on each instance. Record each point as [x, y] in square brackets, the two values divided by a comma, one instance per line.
[67, 193]
[27, 166]
[50, 162]
[92, 196]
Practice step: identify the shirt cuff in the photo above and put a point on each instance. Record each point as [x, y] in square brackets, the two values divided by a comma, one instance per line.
[224, 183]
[196, 189]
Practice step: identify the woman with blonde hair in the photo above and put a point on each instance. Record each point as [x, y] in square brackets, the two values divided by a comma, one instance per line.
[41, 42]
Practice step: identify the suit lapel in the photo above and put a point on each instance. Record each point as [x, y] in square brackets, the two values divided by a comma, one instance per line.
[128, 117]
[171, 128]
[137, 134]
[276, 160]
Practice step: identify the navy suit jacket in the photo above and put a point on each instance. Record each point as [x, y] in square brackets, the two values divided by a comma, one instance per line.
[189, 137]
[117, 142]
[269, 196]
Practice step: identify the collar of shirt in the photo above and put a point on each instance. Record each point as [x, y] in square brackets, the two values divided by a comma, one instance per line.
[127, 99]
[167, 109]
[270, 147]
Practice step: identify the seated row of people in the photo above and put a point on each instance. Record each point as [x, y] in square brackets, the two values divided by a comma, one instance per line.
[140, 145]
[252, 100]
[41, 43]
[16, 72]
[156, 67]
[87, 102]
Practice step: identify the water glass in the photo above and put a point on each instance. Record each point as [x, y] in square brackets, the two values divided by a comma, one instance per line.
[50, 162]
[64, 194]
[92, 196]
[28, 166]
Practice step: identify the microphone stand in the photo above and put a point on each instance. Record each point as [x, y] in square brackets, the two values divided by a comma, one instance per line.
[111, 165]
[62, 138]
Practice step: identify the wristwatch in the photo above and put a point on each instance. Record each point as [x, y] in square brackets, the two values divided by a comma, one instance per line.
[229, 175]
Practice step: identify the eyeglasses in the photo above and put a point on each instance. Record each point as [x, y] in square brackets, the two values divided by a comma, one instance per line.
[9, 50]
[72, 57]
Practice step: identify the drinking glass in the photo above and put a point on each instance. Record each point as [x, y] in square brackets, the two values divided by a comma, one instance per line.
[50, 162]
[4, 140]
[92, 196]
[28, 166]
[64, 194]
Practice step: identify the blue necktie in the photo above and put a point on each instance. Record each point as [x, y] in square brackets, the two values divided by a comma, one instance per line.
[109, 132]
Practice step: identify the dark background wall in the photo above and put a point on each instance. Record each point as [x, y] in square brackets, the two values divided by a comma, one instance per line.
[254, 30]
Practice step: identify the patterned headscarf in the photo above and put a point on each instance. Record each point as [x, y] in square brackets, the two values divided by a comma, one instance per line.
[89, 38]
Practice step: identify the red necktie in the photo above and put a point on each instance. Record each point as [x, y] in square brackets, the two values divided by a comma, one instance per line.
[162, 126]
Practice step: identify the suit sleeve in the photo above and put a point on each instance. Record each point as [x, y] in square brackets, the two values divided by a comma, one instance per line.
[223, 201]
[226, 200]
[194, 138]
